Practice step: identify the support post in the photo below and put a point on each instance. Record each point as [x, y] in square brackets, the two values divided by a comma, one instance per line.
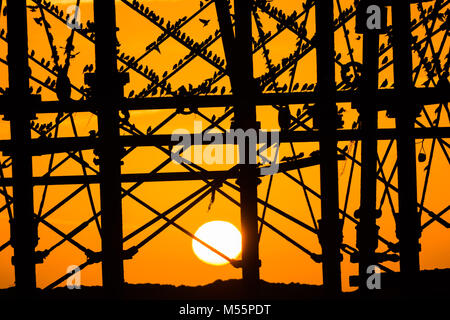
[330, 227]
[23, 226]
[367, 229]
[227, 35]
[108, 90]
[406, 110]
[245, 119]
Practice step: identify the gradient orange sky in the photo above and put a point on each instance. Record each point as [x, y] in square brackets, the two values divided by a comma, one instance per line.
[168, 259]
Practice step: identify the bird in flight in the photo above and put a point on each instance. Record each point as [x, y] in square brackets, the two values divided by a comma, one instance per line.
[205, 22]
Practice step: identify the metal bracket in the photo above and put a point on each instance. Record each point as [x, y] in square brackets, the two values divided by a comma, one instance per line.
[10, 110]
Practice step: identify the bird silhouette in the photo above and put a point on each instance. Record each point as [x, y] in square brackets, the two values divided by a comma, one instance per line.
[205, 22]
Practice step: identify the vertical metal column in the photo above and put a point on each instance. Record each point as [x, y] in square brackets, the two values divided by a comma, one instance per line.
[367, 229]
[245, 116]
[24, 237]
[406, 112]
[227, 35]
[108, 91]
[330, 226]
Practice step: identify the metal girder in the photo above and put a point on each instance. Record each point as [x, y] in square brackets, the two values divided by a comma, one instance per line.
[23, 227]
[44, 146]
[408, 226]
[367, 229]
[245, 118]
[330, 228]
[383, 98]
[162, 176]
[108, 88]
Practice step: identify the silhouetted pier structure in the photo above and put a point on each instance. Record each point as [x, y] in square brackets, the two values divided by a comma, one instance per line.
[404, 102]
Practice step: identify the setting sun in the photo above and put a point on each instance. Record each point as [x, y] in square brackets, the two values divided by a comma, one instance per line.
[221, 235]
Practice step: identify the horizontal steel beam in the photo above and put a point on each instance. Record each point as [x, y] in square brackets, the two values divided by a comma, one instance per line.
[162, 176]
[42, 146]
[125, 178]
[383, 98]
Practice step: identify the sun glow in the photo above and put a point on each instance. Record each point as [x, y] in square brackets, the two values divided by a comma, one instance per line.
[222, 236]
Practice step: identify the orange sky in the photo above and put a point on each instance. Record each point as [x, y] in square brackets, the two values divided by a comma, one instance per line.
[169, 258]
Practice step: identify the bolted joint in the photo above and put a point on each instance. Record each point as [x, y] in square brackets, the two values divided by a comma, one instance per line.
[93, 257]
[367, 236]
[236, 263]
[186, 110]
[409, 98]
[246, 178]
[372, 214]
[367, 229]
[12, 233]
[241, 182]
[119, 80]
[10, 111]
[394, 247]
[252, 86]
[417, 231]
[320, 121]
[39, 256]
[216, 184]
[383, 257]
[317, 258]
[354, 257]
[326, 229]
[122, 78]
[129, 253]
[239, 264]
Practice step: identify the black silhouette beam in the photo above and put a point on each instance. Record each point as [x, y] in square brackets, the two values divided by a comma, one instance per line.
[330, 235]
[109, 90]
[367, 230]
[227, 33]
[406, 112]
[24, 231]
[245, 117]
[71, 144]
